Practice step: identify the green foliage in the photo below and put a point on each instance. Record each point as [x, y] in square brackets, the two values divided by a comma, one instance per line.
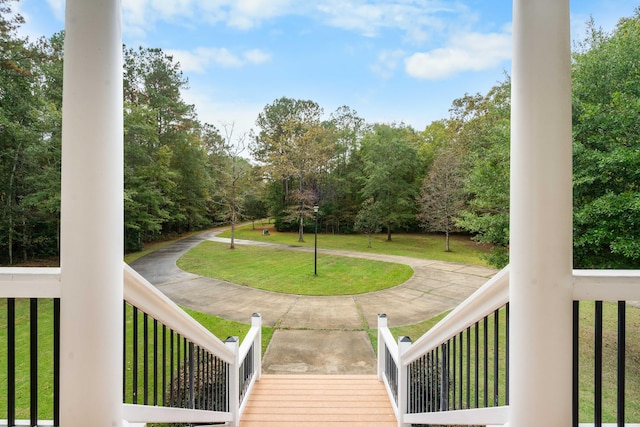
[389, 179]
[177, 170]
[482, 126]
[441, 195]
[606, 107]
[369, 219]
[30, 148]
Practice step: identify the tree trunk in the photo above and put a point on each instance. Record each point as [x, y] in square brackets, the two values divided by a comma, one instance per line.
[301, 230]
[446, 241]
[233, 230]
[369, 240]
[388, 232]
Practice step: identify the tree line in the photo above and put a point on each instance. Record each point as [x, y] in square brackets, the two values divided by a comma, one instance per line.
[452, 177]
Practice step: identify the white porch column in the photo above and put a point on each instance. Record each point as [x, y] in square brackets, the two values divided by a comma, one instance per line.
[541, 215]
[92, 216]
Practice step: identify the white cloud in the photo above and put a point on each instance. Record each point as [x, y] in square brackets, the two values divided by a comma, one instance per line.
[246, 14]
[57, 6]
[387, 62]
[256, 56]
[465, 52]
[201, 58]
[416, 18]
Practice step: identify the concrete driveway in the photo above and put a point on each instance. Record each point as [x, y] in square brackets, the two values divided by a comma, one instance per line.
[316, 335]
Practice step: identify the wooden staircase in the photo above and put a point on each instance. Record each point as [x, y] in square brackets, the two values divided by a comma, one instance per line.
[318, 400]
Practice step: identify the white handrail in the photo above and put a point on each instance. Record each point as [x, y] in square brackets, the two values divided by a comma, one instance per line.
[146, 297]
[30, 282]
[606, 285]
[159, 414]
[44, 282]
[489, 297]
[252, 340]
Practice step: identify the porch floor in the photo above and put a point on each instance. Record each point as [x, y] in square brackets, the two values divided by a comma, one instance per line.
[318, 400]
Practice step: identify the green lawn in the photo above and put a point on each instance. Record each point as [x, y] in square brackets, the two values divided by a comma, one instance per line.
[427, 246]
[281, 270]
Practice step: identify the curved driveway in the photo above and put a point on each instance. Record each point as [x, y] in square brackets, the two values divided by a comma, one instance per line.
[435, 287]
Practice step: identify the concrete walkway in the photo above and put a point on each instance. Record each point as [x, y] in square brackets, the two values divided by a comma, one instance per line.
[316, 335]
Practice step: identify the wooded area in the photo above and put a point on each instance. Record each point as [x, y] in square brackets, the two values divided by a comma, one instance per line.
[182, 174]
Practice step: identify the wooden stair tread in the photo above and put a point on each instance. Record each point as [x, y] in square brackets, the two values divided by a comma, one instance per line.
[318, 400]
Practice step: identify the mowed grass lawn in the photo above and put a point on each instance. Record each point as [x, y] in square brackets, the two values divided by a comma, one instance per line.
[287, 271]
[426, 246]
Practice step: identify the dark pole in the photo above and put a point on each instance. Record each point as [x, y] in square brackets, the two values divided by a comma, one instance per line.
[315, 244]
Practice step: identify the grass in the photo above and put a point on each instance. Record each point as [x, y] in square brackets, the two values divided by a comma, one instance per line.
[426, 246]
[286, 271]
[223, 328]
[23, 364]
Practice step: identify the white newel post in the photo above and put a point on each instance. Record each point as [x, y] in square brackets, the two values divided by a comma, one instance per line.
[541, 216]
[256, 322]
[382, 323]
[404, 344]
[234, 381]
[92, 216]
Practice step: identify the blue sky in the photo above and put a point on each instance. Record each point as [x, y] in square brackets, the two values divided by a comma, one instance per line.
[390, 60]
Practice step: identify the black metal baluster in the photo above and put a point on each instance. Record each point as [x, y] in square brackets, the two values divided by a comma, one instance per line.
[33, 359]
[124, 351]
[11, 361]
[485, 334]
[155, 362]
[196, 364]
[496, 354]
[56, 362]
[468, 367]
[477, 361]
[506, 351]
[145, 362]
[171, 369]
[460, 361]
[424, 388]
[598, 366]
[576, 362]
[206, 376]
[444, 397]
[454, 378]
[423, 385]
[164, 365]
[192, 396]
[435, 390]
[180, 373]
[622, 319]
[187, 373]
[134, 368]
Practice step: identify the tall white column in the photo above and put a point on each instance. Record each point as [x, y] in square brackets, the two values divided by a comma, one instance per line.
[92, 216]
[541, 215]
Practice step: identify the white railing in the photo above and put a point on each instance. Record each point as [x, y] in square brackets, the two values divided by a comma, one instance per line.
[589, 285]
[486, 300]
[244, 361]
